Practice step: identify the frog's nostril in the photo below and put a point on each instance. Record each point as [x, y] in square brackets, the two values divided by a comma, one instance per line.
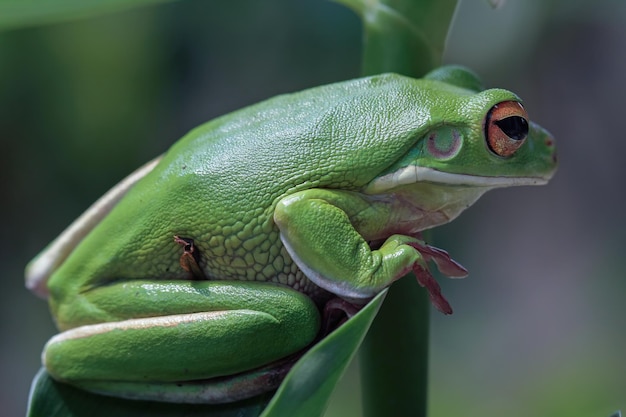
[554, 158]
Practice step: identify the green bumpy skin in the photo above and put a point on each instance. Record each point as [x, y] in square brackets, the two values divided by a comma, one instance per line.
[303, 196]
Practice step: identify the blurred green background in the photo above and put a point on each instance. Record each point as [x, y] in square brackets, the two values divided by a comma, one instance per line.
[538, 325]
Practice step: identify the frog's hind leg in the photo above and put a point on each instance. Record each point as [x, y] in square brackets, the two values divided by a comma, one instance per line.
[170, 334]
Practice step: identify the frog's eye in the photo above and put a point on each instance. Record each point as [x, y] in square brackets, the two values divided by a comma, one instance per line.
[506, 128]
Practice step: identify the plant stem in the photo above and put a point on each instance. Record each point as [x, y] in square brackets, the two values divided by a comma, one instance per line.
[394, 355]
[407, 37]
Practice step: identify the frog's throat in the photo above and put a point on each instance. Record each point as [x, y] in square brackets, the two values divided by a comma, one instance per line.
[414, 174]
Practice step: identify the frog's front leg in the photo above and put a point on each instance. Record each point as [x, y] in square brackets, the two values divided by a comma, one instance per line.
[327, 232]
[160, 333]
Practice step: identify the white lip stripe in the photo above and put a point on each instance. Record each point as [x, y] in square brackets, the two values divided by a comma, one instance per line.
[413, 174]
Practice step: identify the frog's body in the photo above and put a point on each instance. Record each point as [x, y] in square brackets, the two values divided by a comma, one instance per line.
[288, 194]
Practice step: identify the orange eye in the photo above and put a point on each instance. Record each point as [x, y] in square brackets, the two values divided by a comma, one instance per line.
[506, 128]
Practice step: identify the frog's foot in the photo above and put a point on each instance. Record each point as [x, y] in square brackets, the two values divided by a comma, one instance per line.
[426, 280]
[336, 312]
[189, 258]
[446, 266]
[336, 239]
[219, 390]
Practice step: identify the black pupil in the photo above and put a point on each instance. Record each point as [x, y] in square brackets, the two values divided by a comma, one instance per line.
[515, 127]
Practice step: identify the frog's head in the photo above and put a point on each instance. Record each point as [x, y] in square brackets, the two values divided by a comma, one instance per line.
[480, 140]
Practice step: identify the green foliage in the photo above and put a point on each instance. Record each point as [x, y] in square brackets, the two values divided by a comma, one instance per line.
[307, 388]
[403, 36]
[20, 13]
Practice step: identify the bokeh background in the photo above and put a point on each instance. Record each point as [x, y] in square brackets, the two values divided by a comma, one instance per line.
[538, 328]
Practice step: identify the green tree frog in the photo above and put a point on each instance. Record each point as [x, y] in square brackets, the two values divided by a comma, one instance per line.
[199, 276]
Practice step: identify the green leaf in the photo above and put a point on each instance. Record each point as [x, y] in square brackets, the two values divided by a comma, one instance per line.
[394, 355]
[306, 390]
[22, 13]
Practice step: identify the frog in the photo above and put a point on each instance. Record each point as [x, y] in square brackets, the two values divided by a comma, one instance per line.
[203, 275]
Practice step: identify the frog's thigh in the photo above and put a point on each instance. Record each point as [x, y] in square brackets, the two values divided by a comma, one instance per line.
[205, 329]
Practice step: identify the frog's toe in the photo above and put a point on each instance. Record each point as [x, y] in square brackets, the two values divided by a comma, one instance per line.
[426, 280]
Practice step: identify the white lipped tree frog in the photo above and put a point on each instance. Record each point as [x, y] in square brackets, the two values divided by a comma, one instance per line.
[202, 274]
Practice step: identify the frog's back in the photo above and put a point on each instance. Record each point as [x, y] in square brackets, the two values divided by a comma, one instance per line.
[331, 136]
[219, 185]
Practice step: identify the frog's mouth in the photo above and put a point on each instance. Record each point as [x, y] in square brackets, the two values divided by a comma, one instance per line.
[415, 174]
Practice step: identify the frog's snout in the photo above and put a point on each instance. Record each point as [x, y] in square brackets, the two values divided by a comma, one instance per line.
[545, 140]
